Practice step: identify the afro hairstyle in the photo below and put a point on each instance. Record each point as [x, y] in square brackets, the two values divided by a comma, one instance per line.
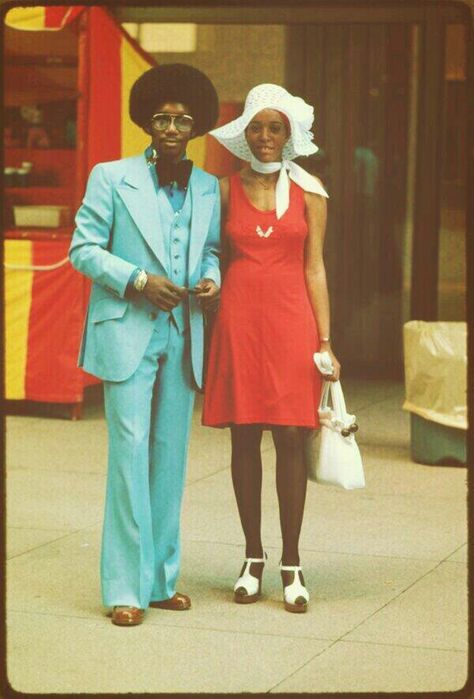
[175, 82]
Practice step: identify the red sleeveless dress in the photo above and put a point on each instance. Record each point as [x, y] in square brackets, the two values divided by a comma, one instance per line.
[261, 367]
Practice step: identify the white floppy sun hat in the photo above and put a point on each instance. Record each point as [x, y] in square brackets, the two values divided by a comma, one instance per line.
[269, 96]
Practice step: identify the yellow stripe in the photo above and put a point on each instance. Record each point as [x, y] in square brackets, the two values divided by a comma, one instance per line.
[134, 139]
[28, 18]
[18, 288]
[196, 150]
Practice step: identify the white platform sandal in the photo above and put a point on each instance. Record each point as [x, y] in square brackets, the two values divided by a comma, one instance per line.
[295, 596]
[248, 588]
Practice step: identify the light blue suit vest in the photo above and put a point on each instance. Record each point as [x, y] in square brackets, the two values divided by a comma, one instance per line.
[175, 227]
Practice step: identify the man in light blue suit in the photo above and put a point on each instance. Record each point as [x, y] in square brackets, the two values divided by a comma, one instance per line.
[147, 234]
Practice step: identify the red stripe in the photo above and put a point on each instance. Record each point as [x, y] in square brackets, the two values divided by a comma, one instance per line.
[58, 17]
[104, 108]
[56, 317]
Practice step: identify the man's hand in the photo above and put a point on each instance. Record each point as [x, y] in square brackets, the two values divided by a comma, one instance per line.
[162, 292]
[207, 292]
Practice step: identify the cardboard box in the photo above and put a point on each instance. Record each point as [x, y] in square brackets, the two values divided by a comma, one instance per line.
[42, 216]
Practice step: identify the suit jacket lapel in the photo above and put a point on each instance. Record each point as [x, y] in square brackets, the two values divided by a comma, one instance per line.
[202, 202]
[138, 193]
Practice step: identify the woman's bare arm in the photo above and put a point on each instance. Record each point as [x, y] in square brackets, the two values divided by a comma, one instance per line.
[315, 272]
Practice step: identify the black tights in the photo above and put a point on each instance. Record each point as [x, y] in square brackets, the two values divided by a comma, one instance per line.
[291, 479]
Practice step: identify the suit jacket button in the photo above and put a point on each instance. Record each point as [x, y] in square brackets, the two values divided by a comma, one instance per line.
[153, 315]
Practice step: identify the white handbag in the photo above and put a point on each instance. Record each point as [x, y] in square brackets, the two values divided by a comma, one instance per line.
[333, 457]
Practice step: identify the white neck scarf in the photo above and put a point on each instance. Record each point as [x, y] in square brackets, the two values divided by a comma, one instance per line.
[282, 190]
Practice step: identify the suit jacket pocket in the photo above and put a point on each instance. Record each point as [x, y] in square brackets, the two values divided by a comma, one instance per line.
[108, 309]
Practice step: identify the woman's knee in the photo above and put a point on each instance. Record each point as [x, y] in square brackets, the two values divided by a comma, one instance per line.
[287, 437]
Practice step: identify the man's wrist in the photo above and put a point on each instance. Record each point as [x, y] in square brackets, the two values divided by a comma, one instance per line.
[140, 280]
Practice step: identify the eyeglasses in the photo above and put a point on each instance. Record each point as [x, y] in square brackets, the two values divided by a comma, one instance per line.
[162, 122]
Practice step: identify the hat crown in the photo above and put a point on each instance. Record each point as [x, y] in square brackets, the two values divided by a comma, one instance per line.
[265, 93]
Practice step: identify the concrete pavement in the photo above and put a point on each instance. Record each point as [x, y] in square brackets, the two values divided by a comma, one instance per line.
[386, 569]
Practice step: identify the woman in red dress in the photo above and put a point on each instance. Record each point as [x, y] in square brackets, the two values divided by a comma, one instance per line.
[273, 316]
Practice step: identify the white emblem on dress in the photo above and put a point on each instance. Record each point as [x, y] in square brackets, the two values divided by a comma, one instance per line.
[264, 234]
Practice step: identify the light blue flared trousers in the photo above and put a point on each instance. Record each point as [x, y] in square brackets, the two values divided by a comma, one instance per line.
[148, 420]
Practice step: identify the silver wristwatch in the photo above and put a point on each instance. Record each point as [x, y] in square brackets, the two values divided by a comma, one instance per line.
[140, 280]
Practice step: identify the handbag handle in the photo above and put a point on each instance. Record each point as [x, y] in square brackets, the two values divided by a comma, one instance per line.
[334, 389]
[323, 403]
[339, 404]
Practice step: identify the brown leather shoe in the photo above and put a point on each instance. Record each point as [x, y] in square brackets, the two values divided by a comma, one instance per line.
[178, 603]
[127, 616]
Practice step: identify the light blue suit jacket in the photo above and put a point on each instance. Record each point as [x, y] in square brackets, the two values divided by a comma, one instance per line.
[117, 230]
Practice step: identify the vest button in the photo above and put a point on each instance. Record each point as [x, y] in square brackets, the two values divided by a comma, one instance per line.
[152, 315]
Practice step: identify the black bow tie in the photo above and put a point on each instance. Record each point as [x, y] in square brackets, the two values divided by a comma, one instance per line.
[169, 172]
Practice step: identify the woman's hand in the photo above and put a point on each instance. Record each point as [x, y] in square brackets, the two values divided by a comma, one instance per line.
[207, 292]
[326, 347]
